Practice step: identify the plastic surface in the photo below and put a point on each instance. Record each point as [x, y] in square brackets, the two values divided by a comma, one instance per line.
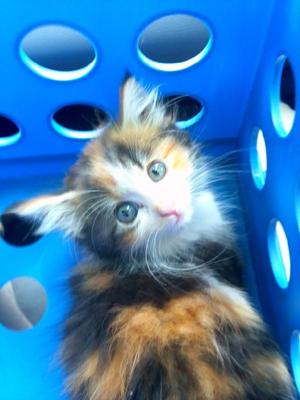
[234, 81]
[278, 200]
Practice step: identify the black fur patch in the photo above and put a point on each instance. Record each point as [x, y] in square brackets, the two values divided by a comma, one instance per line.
[225, 262]
[239, 346]
[137, 289]
[151, 382]
[19, 230]
[116, 151]
[126, 154]
[279, 392]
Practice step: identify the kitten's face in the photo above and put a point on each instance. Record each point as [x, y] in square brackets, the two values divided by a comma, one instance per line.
[145, 180]
[138, 189]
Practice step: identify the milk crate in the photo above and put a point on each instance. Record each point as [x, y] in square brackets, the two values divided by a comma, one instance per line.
[234, 66]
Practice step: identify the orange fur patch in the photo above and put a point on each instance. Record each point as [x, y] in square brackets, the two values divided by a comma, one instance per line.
[98, 172]
[129, 237]
[85, 373]
[189, 321]
[215, 385]
[100, 176]
[99, 282]
[176, 156]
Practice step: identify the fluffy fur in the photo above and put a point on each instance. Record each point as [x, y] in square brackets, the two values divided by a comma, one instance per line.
[158, 312]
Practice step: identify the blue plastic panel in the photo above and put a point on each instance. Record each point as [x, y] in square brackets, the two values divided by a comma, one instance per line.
[29, 358]
[278, 198]
[223, 79]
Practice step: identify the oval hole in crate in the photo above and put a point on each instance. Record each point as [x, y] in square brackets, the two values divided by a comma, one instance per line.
[295, 357]
[258, 158]
[174, 42]
[279, 253]
[283, 98]
[23, 302]
[9, 131]
[80, 121]
[187, 109]
[58, 52]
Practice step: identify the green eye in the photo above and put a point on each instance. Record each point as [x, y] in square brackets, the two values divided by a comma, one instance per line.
[157, 170]
[127, 211]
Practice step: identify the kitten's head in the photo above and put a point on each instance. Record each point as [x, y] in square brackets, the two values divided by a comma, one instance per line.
[139, 189]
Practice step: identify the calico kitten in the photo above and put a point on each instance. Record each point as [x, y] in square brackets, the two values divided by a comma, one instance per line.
[157, 308]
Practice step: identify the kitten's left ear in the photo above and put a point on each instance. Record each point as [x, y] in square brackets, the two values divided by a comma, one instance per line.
[26, 222]
[137, 105]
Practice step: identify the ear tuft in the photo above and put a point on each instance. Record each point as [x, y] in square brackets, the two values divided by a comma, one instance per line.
[138, 105]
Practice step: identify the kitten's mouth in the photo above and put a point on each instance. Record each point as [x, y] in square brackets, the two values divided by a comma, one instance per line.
[173, 222]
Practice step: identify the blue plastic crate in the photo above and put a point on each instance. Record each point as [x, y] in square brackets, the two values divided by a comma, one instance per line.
[229, 56]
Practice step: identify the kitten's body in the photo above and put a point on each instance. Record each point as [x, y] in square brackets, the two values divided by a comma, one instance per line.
[158, 312]
[180, 338]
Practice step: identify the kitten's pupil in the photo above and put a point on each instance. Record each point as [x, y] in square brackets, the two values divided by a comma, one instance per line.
[157, 170]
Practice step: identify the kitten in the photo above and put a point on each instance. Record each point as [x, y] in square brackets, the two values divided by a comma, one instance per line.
[157, 309]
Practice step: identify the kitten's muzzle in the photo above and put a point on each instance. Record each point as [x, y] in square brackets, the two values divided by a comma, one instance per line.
[170, 213]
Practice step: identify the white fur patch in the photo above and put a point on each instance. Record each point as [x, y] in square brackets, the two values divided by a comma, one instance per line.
[237, 298]
[139, 105]
[201, 216]
[53, 212]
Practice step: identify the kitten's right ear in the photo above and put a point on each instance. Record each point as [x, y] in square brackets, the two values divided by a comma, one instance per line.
[26, 222]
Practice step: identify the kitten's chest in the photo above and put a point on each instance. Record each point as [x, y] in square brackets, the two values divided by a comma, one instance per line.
[136, 330]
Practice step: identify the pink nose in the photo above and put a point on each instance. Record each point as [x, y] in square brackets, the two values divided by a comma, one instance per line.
[170, 213]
